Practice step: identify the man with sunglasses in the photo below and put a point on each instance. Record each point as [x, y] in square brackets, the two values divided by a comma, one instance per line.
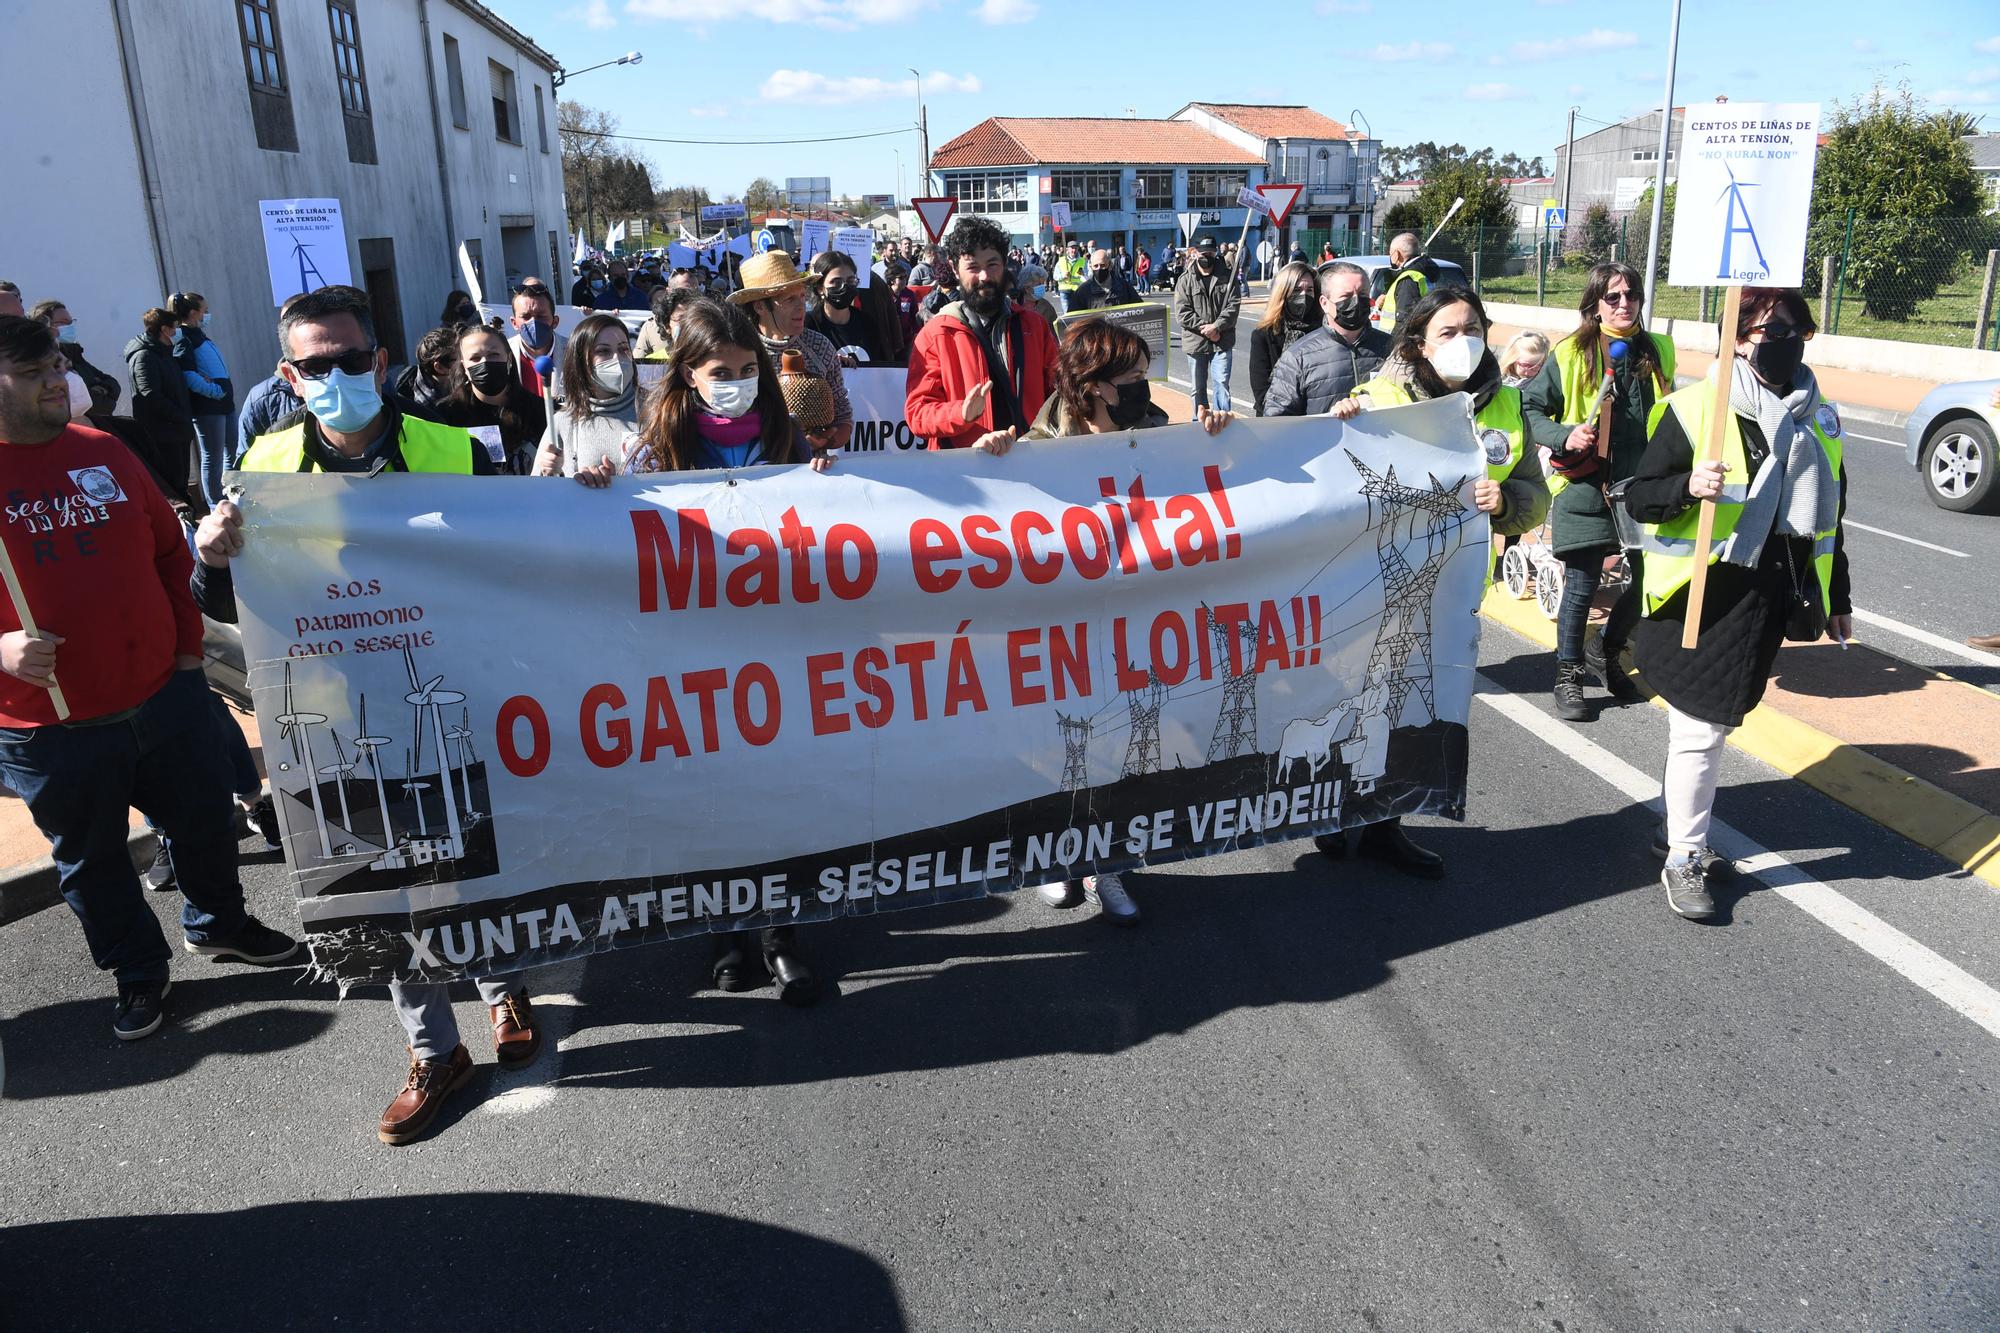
[103, 705]
[331, 358]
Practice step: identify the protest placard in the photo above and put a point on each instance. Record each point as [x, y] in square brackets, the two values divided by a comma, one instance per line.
[815, 236]
[305, 245]
[1148, 319]
[877, 395]
[858, 244]
[711, 701]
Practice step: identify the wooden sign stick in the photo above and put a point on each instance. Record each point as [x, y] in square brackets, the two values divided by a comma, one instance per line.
[1718, 418]
[28, 626]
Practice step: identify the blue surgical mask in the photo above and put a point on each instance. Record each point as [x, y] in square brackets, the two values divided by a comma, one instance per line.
[534, 332]
[341, 401]
[1037, 290]
[67, 333]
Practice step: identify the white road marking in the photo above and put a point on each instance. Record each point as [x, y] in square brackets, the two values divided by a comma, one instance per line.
[1884, 532]
[1854, 434]
[1925, 637]
[553, 993]
[1915, 962]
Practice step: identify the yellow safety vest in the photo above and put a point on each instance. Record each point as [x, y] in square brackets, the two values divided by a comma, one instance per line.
[1403, 275]
[426, 447]
[1503, 434]
[1669, 546]
[1580, 386]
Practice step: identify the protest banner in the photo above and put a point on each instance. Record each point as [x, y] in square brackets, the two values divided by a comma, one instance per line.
[1740, 217]
[703, 702]
[1148, 319]
[305, 245]
[858, 244]
[877, 396]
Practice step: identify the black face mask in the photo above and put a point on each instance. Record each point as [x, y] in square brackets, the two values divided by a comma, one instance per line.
[1777, 360]
[467, 313]
[1206, 261]
[1133, 401]
[1350, 312]
[1101, 274]
[489, 377]
[1299, 308]
[840, 295]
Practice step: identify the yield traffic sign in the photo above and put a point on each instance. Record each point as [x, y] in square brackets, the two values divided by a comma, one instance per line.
[1281, 198]
[935, 213]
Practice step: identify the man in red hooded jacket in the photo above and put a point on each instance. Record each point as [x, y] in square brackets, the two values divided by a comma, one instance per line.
[982, 367]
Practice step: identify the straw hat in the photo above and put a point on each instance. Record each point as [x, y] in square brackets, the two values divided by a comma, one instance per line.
[771, 274]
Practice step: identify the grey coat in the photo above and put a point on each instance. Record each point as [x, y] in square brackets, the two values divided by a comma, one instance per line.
[1320, 369]
[1206, 298]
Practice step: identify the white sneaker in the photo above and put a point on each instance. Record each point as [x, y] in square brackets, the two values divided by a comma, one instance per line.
[1107, 894]
[1064, 893]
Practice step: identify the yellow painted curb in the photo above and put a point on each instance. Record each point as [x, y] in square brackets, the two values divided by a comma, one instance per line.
[1949, 825]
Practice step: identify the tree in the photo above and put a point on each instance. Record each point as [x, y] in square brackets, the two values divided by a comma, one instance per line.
[1487, 223]
[762, 196]
[1642, 216]
[1906, 176]
[685, 199]
[1403, 215]
[585, 135]
[1421, 161]
[1597, 235]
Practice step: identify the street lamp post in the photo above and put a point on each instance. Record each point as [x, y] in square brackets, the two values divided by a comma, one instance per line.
[1660, 170]
[923, 134]
[1353, 116]
[556, 81]
[562, 76]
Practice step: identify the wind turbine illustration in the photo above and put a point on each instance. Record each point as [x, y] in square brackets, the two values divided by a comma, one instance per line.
[461, 731]
[296, 726]
[338, 771]
[415, 789]
[1734, 193]
[309, 275]
[426, 695]
[370, 744]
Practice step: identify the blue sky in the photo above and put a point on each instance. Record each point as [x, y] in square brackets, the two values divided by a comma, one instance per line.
[800, 68]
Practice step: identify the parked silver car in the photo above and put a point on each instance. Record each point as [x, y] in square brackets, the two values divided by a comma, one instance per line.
[1950, 440]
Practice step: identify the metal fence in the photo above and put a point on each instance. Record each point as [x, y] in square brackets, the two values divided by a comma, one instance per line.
[1924, 280]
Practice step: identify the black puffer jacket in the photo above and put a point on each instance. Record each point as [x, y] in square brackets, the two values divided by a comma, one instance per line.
[1320, 369]
[159, 394]
[1743, 611]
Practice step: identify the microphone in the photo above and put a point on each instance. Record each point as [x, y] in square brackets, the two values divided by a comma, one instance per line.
[1617, 349]
[545, 363]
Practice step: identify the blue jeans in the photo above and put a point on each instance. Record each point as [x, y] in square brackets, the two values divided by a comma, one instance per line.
[1211, 381]
[78, 781]
[1582, 572]
[424, 1010]
[215, 438]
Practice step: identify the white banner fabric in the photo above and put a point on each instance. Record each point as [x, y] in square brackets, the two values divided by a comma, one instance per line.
[514, 720]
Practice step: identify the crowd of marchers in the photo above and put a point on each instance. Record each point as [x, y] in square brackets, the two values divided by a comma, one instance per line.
[121, 535]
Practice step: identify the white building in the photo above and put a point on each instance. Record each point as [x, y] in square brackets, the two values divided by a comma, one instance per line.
[432, 121]
[1334, 162]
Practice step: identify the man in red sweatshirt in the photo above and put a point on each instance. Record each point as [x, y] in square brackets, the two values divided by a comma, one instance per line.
[103, 567]
[982, 367]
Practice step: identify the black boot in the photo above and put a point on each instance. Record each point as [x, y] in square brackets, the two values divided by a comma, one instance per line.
[795, 981]
[736, 966]
[1569, 692]
[1616, 679]
[1387, 842]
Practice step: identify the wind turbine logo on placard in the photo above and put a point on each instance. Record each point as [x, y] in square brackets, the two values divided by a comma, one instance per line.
[1733, 192]
[368, 744]
[427, 697]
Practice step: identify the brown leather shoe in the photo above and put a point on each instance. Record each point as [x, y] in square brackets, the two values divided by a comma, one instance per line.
[430, 1082]
[516, 1039]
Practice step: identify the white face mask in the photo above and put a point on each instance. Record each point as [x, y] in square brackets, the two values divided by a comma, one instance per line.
[612, 376]
[731, 398]
[1456, 360]
[79, 395]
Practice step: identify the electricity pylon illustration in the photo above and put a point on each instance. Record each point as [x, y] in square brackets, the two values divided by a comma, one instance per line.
[1076, 748]
[1406, 592]
[1236, 724]
[1734, 192]
[1142, 751]
[306, 266]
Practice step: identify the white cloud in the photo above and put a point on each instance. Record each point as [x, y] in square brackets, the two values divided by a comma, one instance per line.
[1344, 7]
[1575, 90]
[595, 15]
[715, 112]
[1990, 45]
[1412, 51]
[805, 86]
[1963, 97]
[835, 14]
[1597, 39]
[1007, 11]
[1865, 45]
[1991, 74]
[1492, 92]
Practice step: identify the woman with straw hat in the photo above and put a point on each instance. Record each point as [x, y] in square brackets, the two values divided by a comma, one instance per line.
[774, 294]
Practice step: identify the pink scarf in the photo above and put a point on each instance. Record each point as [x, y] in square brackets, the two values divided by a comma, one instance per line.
[729, 431]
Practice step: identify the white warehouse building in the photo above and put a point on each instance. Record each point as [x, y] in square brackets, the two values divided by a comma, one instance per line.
[431, 121]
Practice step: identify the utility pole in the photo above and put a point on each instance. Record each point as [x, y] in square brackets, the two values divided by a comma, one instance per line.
[1660, 175]
[923, 135]
[1569, 164]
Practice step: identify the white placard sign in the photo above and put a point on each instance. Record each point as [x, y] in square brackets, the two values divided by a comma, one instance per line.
[305, 245]
[1746, 173]
[858, 244]
[815, 235]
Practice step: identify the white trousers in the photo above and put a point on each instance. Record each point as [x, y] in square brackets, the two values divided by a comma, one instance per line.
[1694, 765]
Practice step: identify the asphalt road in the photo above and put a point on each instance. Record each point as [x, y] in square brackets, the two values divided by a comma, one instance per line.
[1924, 578]
[1299, 1096]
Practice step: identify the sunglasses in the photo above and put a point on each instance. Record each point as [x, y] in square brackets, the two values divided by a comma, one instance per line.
[1620, 298]
[1776, 332]
[358, 361]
